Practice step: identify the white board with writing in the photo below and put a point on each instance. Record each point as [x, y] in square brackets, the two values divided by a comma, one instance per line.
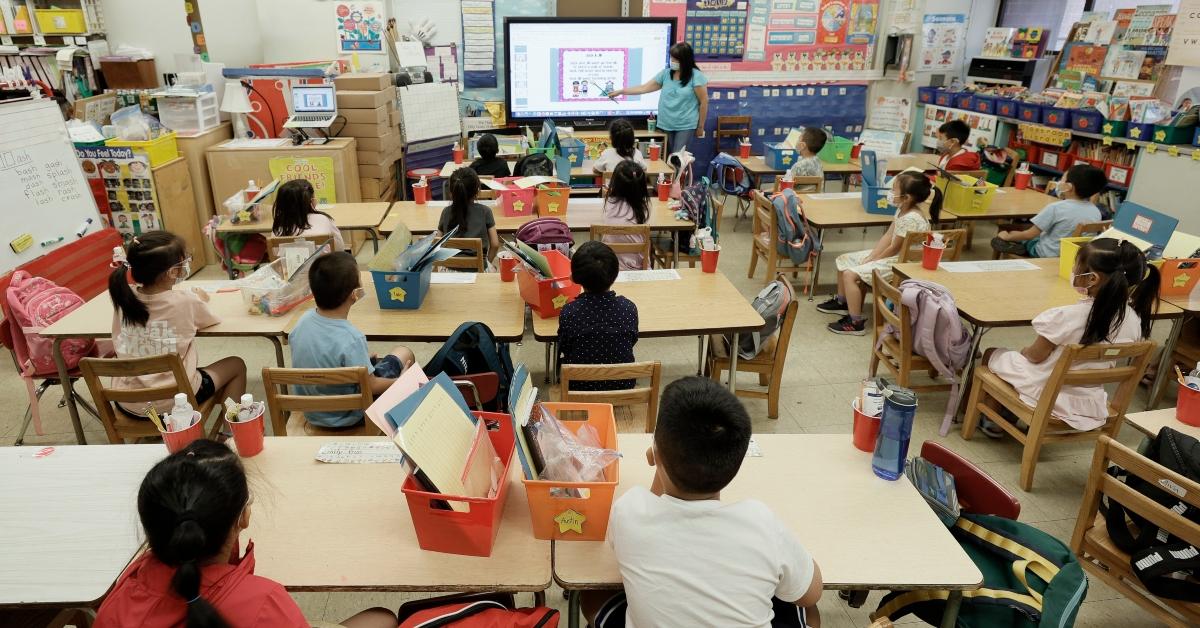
[429, 111]
[43, 195]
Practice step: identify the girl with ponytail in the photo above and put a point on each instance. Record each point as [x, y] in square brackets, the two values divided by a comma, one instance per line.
[472, 219]
[1119, 294]
[193, 506]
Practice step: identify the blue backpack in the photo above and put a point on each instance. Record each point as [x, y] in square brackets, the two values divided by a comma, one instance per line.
[697, 206]
[471, 349]
[728, 174]
[797, 239]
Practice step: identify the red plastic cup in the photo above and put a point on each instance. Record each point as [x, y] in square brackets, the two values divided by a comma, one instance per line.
[458, 155]
[866, 429]
[931, 257]
[1187, 410]
[664, 190]
[856, 151]
[655, 152]
[508, 268]
[784, 184]
[248, 435]
[743, 150]
[177, 441]
[1022, 179]
[708, 259]
[421, 194]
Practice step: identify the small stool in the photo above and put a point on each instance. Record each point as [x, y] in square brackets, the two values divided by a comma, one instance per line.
[430, 174]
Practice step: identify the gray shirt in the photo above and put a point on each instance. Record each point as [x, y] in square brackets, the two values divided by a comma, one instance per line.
[1058, 220]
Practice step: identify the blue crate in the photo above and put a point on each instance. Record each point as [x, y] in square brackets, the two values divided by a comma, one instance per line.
[1029, 112]
[401, 290]
[779, 157]
[1087, 120]
[985, 104]
[1056, 117]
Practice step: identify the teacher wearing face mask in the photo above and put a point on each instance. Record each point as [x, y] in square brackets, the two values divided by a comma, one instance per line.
[683, 105]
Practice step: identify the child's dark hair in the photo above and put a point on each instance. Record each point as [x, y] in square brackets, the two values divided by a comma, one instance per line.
[293, 204]
[918, 186]
[333, 278]
[621, 134]
[814, 138]
[594, 266]
[464, 187]
[702, 434]
[629, 184]
[956, 130]
[149, 256]
[1128, 279]
[487, 146]
[188, 504]
[1086, 179]
[683, 53]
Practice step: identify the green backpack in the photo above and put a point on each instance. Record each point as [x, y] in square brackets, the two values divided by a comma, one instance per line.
[1030, 579]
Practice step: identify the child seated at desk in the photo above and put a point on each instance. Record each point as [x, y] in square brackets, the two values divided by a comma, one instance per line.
[324, 338]
[812, 140]
[598, 327]
[488, 164]
[472, 219]
[686, 557]
[193, 506]
[154, 318]
[1119, 289]
[627, 203]
[909, 190]
[1057, 220]
[951, 145]
[296, 214]
[623, 148]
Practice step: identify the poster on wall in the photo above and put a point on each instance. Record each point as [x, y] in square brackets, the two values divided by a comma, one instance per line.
[317, 170]
[360, 26]
[479, 43]
[1185, 38]
[906, 17]
[943, 38]
[983, 126]
[123, 185]
[891, 113]
[744, 41]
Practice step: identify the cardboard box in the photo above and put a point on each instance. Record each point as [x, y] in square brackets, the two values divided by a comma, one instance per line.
[387, 193]
[376, 188]
[375, 171]
[378, 115]
[378, 143]
[363, 81]
[367, 130]
[382, 158]
[356, 99]
[395, 118]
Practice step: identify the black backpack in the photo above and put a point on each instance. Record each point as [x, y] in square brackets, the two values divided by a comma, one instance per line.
[535, 165]
[472, 349]
[1155, 555]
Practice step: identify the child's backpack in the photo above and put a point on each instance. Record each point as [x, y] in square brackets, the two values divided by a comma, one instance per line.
[1030, 579]
[697, 206]
[535, 165]
[771, 303]
[728, 174]
[241, 253]
[479, 610]
[35, 303]
[547, 234]
[682, 163]
[472, 349]
[797, 239]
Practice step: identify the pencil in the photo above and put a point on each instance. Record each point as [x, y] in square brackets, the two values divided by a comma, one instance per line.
[153, 414]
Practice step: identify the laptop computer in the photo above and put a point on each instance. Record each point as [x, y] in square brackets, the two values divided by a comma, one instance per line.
[313, 106]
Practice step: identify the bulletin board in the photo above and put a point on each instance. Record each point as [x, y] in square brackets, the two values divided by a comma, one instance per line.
[778, 41]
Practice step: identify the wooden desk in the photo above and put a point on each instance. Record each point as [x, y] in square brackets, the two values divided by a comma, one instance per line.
[1190, 307]
[660, 304]
[1008, 204]
[348, 216]
[358, 535]
[69, 519]
[756, 166]
[653, 168]
[94, 320]
[1151, 421]
[871, 533]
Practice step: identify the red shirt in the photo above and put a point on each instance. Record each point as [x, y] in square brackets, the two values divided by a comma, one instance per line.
[964, 160]
[143, 596]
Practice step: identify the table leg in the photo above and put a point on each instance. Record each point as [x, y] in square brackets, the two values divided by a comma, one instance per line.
[950, 613]
[539, 598]
[812, 288]
[674, 249]
[547, 379]
[965, 385]
[64, 377]
[573, 598]
[733, 360]
[374, 239]
[1164, 363]
[278, 350]
[700, 355]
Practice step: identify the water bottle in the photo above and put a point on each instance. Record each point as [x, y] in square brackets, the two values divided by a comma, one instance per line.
[1193, 379]
[895, 430]
[181, 414]
[246, 407]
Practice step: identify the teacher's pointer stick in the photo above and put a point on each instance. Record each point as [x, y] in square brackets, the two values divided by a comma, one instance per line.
[603, 92]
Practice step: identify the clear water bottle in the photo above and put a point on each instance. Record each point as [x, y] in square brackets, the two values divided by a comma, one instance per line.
[895, 430]
[181, 413]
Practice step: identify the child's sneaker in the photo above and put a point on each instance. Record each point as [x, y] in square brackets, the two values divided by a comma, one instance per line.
[833, 306]
[848, 326]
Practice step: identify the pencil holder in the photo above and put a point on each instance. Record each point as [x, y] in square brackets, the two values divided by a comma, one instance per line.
[250, 434]
[176, 441]
[1187, 409]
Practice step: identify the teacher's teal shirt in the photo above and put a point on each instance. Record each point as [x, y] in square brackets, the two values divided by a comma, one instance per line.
[678, 107]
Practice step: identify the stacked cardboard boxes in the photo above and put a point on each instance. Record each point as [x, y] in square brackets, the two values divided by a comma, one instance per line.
[368, 102]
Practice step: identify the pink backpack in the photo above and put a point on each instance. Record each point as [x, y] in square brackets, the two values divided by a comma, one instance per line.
[35, 303]
[547, 234]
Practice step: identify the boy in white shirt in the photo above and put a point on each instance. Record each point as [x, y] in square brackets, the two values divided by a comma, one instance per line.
[686, 557]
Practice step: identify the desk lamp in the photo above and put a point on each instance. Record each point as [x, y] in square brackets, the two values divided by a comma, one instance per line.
[237, 102]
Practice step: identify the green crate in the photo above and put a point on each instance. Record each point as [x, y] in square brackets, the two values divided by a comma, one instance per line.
[1114, 128]
[837, 151]
[1171, 134]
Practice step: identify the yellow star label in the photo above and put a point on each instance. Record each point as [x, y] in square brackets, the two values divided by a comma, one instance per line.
[518, 206]
[1135, 132]
[1130, 144]
[570, 521]
[552, 208]
[243, 216]
[559, 301]
[787, 159]
[1151, 148]
[839, 156]
[574, 158]
[1160, 136]
[1181, 280]
[1173, 151]
[1195, 154]
[881, 203]
[1108, 127]
[397, 294]
[1107, 141]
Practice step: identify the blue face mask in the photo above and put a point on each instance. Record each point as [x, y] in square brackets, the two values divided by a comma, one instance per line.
[674, 66]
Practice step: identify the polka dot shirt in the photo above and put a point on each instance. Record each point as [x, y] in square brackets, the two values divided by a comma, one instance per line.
[598, 329]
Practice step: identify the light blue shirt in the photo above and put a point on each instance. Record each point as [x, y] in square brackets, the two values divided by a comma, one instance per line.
[1058, 220]
[319, 342]
[678, 107]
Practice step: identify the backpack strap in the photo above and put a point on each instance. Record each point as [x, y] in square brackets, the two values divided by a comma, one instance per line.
[1154, 568]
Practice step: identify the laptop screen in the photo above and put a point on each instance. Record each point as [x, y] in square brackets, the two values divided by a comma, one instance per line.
[313, 99]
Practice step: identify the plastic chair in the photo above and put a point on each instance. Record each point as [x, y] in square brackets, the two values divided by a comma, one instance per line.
[977, 492]
[287, 410]
[619, 247]
[896, 354]
[912, 249]
[768, 364]
[481, 388]
[764, 234]
[643, 396]
[474, 262]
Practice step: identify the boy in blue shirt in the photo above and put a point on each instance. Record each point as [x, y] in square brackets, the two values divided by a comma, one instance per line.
[1057, 220]
[323, 338]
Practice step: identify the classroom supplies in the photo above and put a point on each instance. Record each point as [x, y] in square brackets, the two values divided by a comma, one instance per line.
[246, 421]
[1147, 229]
[549, 288]
[381, 452]
[895, 430]
[274, 291]
[658, 274]
[521, 398]
[875, 184]
[865, 430]
[403, 286]
[936, 486]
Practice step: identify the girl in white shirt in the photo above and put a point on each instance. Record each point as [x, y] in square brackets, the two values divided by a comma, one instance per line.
[627, 203]
[1119, 290]
[296, 214]
[621, 136]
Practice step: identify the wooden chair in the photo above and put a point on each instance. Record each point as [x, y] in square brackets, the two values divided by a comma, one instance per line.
[802, 185]
[1091, 228]
[287, 410]
[1097, 553]
[645, 395]
[274, 242]
[913, 247]
[642, 231]
[486, 193]
[978, 493]
[988, 391]
[764, 234]
[736, 127]
[474, 262]
[120, 426]
[768, 364]
[896, 354]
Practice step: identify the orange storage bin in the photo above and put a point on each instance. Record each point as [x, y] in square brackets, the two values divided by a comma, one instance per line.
[548, 296]
[1179, 277]
[471, 533]
[515, 202]
[552, 200]
[582, 518]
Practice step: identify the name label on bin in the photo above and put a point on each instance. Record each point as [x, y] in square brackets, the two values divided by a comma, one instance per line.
[570, 521]
[397, 294]
[559, 301]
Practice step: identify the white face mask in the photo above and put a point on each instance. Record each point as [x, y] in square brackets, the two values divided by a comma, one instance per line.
[1061, 189]
[674, 65]
[185, 271]
[1082, 290]
[359, 293]
[891, 197]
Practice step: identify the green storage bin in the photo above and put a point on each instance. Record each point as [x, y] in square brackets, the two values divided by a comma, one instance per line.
[1172, 134]
[837, 151]
[1114, 128]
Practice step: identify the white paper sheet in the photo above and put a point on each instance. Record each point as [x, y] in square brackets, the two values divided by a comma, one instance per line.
[382, 452]
[452, 277]
[662, 274]
[255, 143]
[988, 266]
[753, 451]
[833, 196]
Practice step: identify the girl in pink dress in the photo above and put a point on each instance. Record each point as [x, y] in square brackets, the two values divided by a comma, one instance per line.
[627, 203]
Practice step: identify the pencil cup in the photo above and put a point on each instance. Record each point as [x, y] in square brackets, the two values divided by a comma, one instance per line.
[177, 441]
[785, 184]
[421, 194]
[458, 155]
[744, 150]
[664, 190]
[508, 267]
[708, 259]
[866, 429]
[655, 151]
[1021, 180]
[1187, 410]
[248, 435]
[931, 257]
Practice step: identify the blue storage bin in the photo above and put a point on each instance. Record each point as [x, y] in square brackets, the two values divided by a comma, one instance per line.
[985, 104]
[1056, 117]
[925, 95]
[779, 157]
[964, 100]
[574, 150]
[1142, 132]
[875, 186]
[401, 290]
[1006, 107]
[1087, 120]
[943, 98]
[1029, 112]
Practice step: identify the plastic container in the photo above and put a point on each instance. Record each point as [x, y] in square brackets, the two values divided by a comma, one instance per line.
[552, 200]
[664, 191]
[708, 259]
[1114, 128]
[1187, 408]
[582, 518]
[1086, 120]
[60, 21]
[1067, 250]
[1058, 160]
[1006, 107]
[931, 256]
[943, 98]
[189, 115]
[470, 533]
[966, 197]
[837, 151]
[516, 202]
[744, 150]
[1137, 131]
[277, 300]
[546, 297]
[866, 429]
[874, 199]
[508, 267]
[779, 157]
[1173, 134]
[249, 435]
[458, 155]
[160, 150]
[1118, 174]
[925, 95]
[574, 149]
[964, 100]
[984, 104]
[401, 290]
[654, 152]
[895, 432]
[421, 194]
[1056, 117]
[1029, 112]
[177, 441]
[1180, 277]
[1021, 180]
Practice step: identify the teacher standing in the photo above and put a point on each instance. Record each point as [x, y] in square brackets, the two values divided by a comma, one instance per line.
[683, 105]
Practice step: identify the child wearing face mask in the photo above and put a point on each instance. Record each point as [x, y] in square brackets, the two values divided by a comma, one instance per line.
[1058, 220]
[324, 338]
[951, 145]
[1120, 291]
[153, 318]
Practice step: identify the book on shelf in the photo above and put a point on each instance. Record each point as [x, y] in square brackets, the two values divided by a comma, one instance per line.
[997, 42]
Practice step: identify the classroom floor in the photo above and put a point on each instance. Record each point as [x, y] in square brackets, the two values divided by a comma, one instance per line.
[822, 376]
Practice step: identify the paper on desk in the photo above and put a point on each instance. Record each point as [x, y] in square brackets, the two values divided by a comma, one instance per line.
[988, 266]
[1116, 234]
[255, 143]
[528, 182]
[660, 274]
[381, 452]
[494, 184]
[452, 277]
[408, 383]
[753, 451]
[833, 196]
[214, 286]
[1182, 245]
